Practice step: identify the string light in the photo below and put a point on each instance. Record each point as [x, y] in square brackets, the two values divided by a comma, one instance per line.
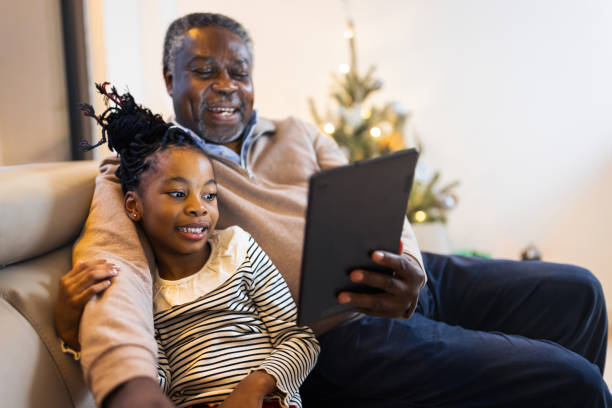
[375, 132]
[349, 33]
[344, 68]
[420, 216]
[366, 113]
[386, 127]
[329, 128]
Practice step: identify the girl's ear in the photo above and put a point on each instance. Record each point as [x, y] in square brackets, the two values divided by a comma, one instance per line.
[133, 207]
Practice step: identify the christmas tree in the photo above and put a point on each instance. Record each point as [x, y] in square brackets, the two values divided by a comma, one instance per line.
[364, 131]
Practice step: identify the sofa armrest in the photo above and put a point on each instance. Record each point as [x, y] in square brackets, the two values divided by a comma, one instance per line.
[43, 206]
[31, 348]
[29, 376]
[42, 209]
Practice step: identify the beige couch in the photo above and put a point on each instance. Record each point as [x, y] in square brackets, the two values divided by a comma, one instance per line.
[42, 210]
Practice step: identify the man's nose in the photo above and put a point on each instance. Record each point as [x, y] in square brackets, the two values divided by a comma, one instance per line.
[224, 83]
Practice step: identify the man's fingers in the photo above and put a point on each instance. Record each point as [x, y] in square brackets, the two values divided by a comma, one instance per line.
[408, 314]
[403, 266]
[371, 304]
[383, 281]
[400, 290]
[393, 261]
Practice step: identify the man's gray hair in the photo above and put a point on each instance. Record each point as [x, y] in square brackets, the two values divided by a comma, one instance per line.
[179, 27]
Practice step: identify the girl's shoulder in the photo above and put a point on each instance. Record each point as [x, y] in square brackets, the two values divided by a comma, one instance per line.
[231, 240]
[233, 245]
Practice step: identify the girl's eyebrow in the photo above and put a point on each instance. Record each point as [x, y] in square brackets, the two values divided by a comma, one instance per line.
[178, 179]
[185, 181]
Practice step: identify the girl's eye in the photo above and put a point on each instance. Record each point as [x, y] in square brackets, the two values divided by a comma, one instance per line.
[210, 196]
[176, 194]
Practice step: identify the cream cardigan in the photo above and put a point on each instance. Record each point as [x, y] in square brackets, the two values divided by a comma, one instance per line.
[268, 199]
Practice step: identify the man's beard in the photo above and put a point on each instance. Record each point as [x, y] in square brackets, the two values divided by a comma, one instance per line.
[214, 137]
[209, 138]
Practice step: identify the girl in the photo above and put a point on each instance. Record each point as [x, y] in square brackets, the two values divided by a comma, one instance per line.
[224, 317]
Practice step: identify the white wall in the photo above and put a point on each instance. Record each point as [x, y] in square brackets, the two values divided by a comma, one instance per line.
[33, 109]
[511, 97]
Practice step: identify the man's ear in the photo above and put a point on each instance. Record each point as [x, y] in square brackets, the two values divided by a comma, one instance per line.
[168, 78]
[133, 206]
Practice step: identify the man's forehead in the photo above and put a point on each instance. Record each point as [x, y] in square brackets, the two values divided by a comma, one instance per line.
[214, 41]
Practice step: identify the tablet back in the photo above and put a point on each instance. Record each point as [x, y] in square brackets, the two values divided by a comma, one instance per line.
[352, 211]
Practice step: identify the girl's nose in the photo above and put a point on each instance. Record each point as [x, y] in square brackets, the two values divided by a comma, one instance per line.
[196, 207]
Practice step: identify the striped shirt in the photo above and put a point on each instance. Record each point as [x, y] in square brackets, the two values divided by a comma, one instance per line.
[246, 321]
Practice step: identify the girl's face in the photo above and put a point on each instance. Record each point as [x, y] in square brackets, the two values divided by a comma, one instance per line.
[176, 203]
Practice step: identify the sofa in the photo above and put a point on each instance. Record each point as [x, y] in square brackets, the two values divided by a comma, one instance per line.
[42, 210]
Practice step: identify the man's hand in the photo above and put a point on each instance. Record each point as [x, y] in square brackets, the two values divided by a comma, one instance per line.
[141, 392]
[85, 280]
[250, 392]
[400, 290]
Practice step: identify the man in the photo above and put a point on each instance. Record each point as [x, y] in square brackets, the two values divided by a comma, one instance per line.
[485, 333]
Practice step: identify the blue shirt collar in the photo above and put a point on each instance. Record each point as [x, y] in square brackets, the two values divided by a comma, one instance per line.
[224, 151]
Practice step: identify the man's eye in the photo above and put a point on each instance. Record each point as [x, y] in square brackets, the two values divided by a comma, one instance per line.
[176, 194]
[240, 75]
[202, 71]
[210, 196]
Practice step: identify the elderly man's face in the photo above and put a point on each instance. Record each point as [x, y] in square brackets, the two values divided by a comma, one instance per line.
[211, 86]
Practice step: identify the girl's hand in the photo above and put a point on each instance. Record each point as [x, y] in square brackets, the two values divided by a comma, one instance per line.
[85, 280]
[250, 392]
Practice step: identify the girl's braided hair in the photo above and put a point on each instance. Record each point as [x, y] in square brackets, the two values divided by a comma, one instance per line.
[135, 133]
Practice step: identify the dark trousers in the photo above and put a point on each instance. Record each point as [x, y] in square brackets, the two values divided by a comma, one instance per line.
[487, 333]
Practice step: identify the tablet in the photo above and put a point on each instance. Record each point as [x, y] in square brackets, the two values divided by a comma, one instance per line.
[352, 211]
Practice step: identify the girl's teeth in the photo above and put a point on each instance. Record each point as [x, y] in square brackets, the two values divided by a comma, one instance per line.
[191, 230]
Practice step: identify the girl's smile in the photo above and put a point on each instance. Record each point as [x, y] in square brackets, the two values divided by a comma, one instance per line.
[193, 231]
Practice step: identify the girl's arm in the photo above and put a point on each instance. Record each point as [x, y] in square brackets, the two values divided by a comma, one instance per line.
[295, 348]
[163, 368]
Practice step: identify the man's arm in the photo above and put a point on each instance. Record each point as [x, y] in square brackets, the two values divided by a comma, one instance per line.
[327, 150]
[143, 391]
[116, 330]
[137, 392]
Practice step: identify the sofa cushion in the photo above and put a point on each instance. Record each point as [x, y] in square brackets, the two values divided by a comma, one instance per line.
[29, 375]
[43, 206]
[31, 352]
